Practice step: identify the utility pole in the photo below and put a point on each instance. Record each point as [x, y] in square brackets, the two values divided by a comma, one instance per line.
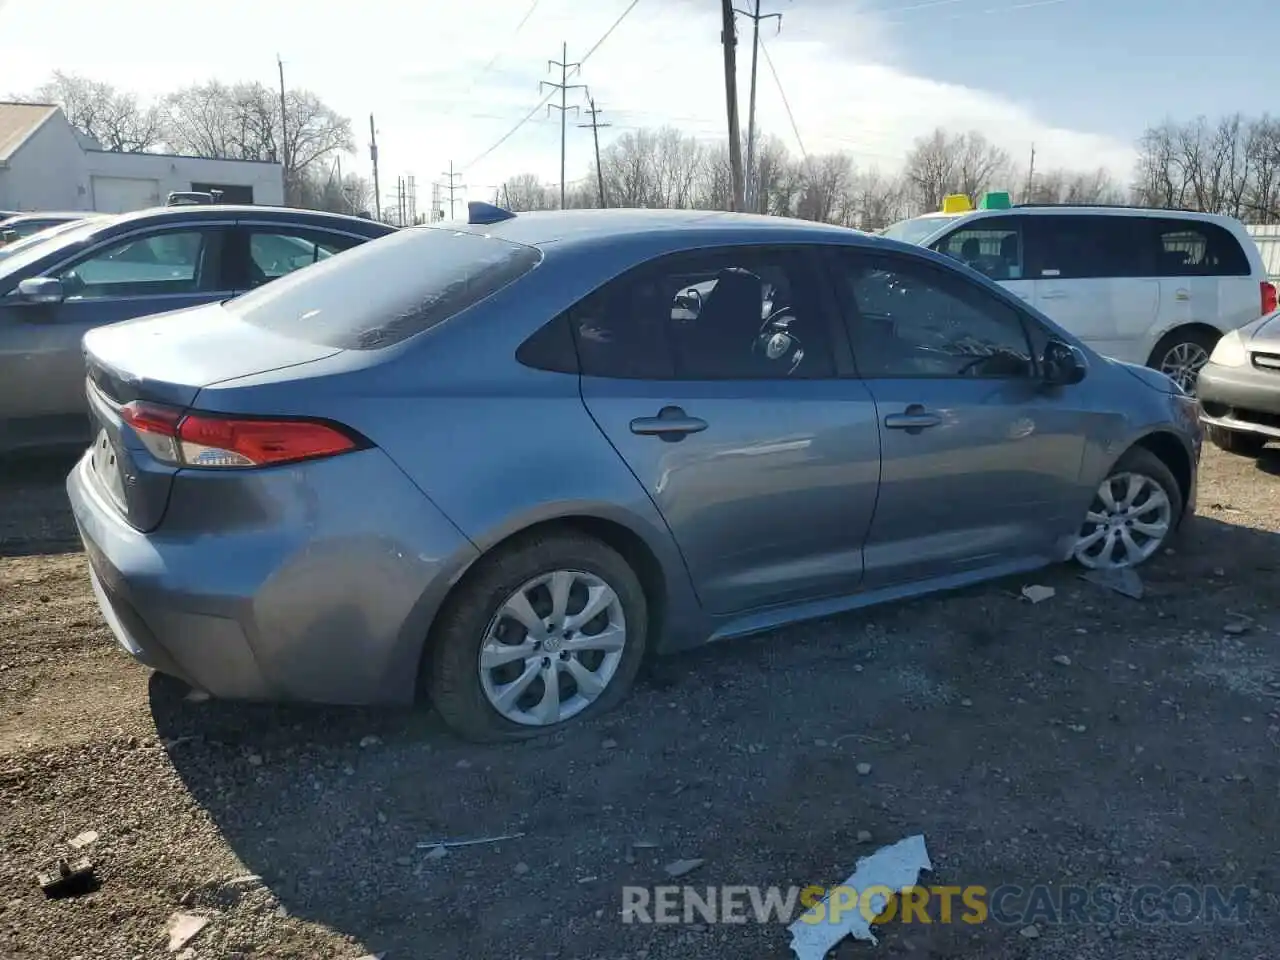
[564, 87]
[452, 187]
[373, 155]
[729, 37]
[400, 200]
[1031, 177]
[751, 190]
[595, 126]
[284, 130]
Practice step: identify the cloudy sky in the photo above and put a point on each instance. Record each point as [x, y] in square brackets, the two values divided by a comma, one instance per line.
[447, 80]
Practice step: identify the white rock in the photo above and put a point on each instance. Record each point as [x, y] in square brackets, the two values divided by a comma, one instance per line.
[1062, 660]
[82, 840]
[183, 928]
[1037, 593]
[370, 741]
[679, 868]
[863, 769]
[1030, 931]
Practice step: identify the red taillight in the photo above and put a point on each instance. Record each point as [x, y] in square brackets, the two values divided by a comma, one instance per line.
[210, 440]
[1269, 299]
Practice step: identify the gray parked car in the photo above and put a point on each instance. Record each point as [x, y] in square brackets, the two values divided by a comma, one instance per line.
[498, 463]
[109, 269]
[1239, 388]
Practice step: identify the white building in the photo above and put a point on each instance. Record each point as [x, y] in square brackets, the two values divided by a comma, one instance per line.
[45, 164]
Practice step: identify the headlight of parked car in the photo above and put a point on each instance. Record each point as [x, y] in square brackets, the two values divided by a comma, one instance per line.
[1230, 351]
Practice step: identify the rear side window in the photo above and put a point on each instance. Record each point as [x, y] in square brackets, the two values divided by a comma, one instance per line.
[1192, 248]
[386, 290]
[1078, 247]
[992, 246]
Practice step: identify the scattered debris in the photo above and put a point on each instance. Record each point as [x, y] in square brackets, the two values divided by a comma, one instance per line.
[68, 879]
[1124, 581]
[183, 928]
[254, 759]
[373, 956]
[608, 744]
[82, 840]
[463, 764]
[966, 702]
[197, 696]
[1077, 727]
[244, 880]
[1219, 572]
[1037, 593]
[438, 852]
[680, 868]
[521, 869]
[864, 836]
[863, 769]
[1062, 660]
[369, 740]
[896, 867]
[425, 844]
[1235, 628]
[1030, 931]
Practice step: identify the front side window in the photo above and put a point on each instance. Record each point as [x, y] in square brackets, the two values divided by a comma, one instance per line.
[735, 314]
[991, 246]
[272, 254]
[910, 319]
[176, 262]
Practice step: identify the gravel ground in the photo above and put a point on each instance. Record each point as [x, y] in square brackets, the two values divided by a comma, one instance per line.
[1088, 739]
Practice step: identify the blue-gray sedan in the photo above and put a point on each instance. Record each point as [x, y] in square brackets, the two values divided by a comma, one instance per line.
[496, 463]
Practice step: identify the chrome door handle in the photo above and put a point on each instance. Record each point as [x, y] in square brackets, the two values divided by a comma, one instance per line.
[914, 419]
[671, 424]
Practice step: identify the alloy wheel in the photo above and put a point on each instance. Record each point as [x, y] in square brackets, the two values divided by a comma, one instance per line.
[552, 648]
[1182, 363]
[1129, 520]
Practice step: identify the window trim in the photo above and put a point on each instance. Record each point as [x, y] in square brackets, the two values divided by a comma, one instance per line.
[802, 257]
[851, 313]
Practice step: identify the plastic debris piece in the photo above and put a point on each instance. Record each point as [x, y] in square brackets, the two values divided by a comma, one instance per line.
[1037, 593]
[680, 868]
[68, 879]
[825, 924]
[183, 928]
[1123, 581]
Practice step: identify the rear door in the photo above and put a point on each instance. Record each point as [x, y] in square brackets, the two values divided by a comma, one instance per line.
[1094, 275]
[1204, 274]
[152, 270]
[980, 462]
[721, 379]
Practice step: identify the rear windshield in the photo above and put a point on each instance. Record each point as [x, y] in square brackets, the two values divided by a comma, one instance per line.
[387, 290]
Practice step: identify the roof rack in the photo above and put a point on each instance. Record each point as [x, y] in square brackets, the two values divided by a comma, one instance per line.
[1110, 206]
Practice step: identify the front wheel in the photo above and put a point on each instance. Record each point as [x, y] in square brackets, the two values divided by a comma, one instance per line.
[1236, 441]
[544, 632]
[1181, 354]
[1134, 512]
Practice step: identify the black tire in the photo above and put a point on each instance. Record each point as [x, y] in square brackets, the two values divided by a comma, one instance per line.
[1236, 441]
[451, 669]
[1142, 461]
[1205, 339]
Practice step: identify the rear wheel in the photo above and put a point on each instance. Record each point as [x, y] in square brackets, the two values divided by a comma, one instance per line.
[1236, 441]
[544, 632]
[1181, 353]
[1134, 512]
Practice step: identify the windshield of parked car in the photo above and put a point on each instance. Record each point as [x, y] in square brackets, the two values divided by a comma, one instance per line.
[915, 230]
[385, 291]
[22, 253]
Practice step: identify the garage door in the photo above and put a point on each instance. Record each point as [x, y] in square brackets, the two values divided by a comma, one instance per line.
[119, 194]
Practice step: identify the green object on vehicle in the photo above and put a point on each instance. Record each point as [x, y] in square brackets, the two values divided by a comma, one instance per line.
[995, 200]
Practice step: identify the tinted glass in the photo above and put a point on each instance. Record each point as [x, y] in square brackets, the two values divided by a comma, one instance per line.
[915, 230]
[992, 246]
[1078, 247]
[386, 290]
[1188, 248]
[162, 263]
[272, 254]
[912, 320]
[740, 314]
[19, 259]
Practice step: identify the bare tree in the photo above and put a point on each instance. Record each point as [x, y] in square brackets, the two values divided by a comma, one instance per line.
[933, 169]
[527, 192]
[113, 119]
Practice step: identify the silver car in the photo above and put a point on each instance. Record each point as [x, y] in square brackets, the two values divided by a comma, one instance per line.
[496, 464]
[1239, 388]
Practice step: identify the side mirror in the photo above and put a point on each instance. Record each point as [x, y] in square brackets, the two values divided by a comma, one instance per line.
[1063, 364]
[44, 290]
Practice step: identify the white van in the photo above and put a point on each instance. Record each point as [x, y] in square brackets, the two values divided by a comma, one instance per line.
[1156, 287]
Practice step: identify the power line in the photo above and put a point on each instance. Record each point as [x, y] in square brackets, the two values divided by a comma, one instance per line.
[550, 93]
[783, 93]
[503, 49]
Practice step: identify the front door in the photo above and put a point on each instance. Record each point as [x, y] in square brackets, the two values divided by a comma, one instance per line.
[980, 462]
[713, 375]
[147, 273]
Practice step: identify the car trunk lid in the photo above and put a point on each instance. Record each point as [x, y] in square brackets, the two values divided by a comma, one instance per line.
[166, 359]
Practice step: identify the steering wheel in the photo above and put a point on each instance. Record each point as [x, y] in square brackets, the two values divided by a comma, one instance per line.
[774, 340]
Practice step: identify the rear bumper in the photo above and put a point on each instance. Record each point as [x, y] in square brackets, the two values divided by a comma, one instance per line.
[1240, 398]
[313, 590]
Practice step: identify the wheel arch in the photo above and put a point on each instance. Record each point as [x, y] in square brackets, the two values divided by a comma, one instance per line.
[1196, 326]
[1169, 448]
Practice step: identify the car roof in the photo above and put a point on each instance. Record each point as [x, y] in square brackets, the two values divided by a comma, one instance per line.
[217, 211]
[53, 215]
[592, 226]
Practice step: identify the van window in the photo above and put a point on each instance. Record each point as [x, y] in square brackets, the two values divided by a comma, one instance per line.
[1196, 248]
[1078, 247]
[992, 246]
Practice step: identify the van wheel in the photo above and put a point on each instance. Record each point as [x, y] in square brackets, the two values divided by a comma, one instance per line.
[548, 630]
[1236, 441]
[1181, 353]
